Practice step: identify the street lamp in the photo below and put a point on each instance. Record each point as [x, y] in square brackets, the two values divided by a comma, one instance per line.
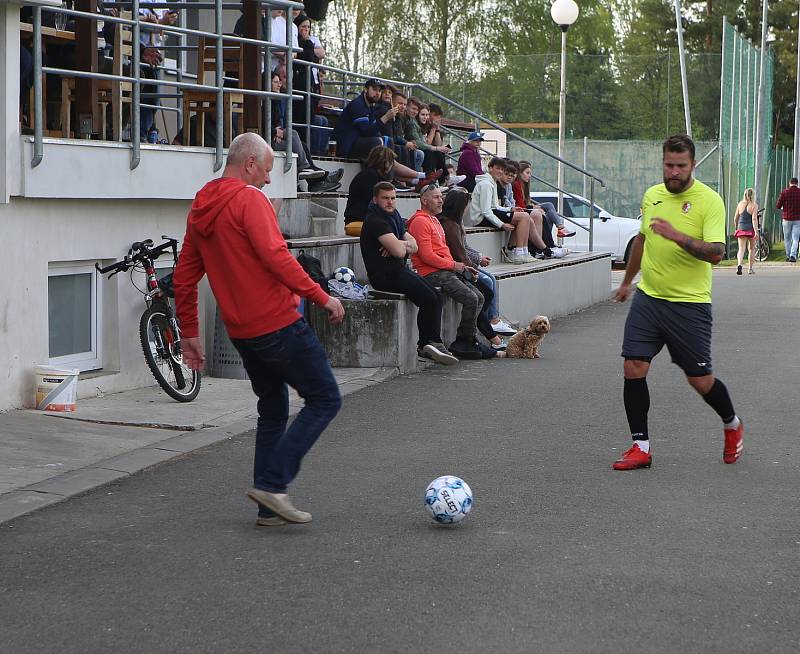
[564, 13]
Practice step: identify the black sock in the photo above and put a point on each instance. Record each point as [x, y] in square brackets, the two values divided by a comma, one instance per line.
[637, 404]
[719, 399]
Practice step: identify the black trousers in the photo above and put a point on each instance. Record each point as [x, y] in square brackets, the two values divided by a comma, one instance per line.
[423, 294]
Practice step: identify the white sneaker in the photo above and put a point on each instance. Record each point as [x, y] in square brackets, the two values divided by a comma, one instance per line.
[519, 259]
[559, 253]
[453, 180]
[503, 327]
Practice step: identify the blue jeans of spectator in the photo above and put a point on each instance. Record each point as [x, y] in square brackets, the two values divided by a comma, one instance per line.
[147, 116]
[552, 214]
[491, 309]
[419, 157]
[791, 236]
[319, 137]
[291, 356]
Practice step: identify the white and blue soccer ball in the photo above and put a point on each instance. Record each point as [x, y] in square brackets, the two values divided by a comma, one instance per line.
[344, 274]
[448, 499]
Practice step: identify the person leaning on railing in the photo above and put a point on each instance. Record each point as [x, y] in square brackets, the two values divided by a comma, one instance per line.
[307, 77]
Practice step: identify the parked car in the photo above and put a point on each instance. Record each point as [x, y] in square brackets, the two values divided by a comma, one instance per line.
[611, 233]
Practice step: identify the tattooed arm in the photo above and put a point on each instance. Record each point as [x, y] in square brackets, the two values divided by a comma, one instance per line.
[711, 252]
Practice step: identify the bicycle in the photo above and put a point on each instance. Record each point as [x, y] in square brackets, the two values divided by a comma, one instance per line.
[158, 327]
[762, 247]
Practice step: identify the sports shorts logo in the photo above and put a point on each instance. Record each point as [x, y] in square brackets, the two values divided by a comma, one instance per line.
[687, 207]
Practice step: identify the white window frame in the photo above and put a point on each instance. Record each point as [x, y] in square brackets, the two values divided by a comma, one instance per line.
[93, 359]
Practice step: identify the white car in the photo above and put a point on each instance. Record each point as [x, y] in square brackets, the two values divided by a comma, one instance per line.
[611, 233]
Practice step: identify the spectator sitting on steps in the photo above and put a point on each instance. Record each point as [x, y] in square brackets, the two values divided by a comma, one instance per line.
[453, 209]
[469, 162]
[522, 198]
[435, 263]
[385, 246]
[379, 167]
[485, 211]
[319, 180]
[358, 129]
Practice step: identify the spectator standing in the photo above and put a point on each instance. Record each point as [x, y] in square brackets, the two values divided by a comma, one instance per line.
[232, 235]
[745, 225]
[469, 161]
[308, 77]
[789, 203]
[151, 56]
[385, 247]
[435, 263]
[682, 235]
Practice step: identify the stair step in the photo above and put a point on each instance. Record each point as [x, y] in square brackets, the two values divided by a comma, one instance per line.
[323, 226]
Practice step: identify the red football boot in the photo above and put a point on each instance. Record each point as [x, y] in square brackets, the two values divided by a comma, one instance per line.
[734, 444]
[632, 459]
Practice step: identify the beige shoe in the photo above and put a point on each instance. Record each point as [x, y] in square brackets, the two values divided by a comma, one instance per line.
[272, 521]
[280, 504]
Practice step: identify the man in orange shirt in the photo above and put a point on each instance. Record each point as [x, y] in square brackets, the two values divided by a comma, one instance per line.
[434, 262]
[232, 235]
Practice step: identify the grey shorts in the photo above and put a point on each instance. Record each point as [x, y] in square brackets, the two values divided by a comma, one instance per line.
[684, 327]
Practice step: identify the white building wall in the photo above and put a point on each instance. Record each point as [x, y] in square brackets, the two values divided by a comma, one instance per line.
[37, 233]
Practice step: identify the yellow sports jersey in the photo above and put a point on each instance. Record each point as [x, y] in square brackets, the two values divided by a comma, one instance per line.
[668, 271]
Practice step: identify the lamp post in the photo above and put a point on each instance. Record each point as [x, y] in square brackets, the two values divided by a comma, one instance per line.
[564, 13]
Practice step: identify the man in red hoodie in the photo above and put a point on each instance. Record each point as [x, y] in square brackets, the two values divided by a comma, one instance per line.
[232, 235]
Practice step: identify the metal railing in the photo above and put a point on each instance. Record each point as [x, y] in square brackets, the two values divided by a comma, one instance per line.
[135, 78]
[347, 80]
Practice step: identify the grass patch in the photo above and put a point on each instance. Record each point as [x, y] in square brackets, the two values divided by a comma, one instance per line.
[776, 254]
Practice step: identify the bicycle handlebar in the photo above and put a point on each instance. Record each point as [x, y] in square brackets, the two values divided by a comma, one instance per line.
[139, 251]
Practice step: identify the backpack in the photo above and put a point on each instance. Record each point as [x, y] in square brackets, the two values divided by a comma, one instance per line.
[313, 268]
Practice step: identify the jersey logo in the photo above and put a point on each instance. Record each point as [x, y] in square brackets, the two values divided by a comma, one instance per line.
[657, 202]
[687, 207]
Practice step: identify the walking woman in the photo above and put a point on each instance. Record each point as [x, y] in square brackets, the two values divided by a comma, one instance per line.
[745, 222]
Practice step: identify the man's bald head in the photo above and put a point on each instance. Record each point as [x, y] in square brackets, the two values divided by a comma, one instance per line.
[244, 146]
[250, 159]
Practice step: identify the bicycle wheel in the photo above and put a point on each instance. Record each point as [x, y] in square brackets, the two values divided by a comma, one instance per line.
[178, 380]
[763, 248]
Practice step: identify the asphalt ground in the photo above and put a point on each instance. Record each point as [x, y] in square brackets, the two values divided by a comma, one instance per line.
[560, 554]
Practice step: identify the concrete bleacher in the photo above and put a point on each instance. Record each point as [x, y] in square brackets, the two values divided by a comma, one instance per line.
[382, 332]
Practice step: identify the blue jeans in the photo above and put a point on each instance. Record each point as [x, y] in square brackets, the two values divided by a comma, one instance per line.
[319, 137]
[491, 308]
[791, 236]
[292, 356]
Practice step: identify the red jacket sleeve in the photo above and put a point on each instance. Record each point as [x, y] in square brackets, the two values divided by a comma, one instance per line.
[781, 199]
[188, 273]
[261, 225]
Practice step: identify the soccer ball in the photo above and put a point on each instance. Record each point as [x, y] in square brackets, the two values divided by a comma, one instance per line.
[449, 499]
[344, 275]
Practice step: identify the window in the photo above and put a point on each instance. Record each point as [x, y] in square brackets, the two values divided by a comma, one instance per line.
[73, 315]
[580, 209]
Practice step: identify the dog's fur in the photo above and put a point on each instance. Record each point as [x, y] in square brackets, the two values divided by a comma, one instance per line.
[525, 343]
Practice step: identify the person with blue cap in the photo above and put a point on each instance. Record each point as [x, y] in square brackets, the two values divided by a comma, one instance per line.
[469, 162]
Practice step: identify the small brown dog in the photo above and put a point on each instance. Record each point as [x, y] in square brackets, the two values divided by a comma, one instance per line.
[525, 343]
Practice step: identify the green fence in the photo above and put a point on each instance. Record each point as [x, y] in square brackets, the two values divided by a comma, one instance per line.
[740, 78]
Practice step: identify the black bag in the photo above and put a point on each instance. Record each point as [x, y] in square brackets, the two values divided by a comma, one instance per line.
[316, 9]
[313, 268]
